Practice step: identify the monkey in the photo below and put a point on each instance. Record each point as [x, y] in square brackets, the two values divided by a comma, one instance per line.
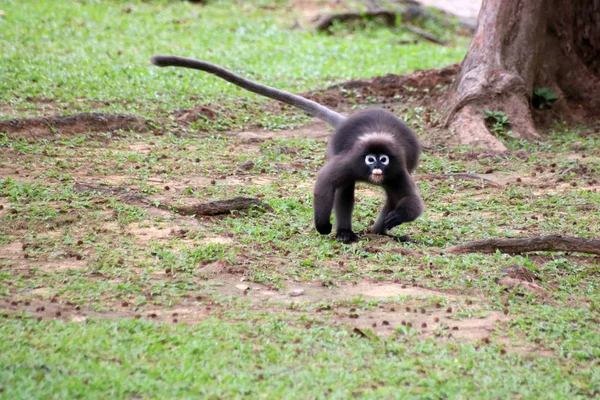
[372, 146]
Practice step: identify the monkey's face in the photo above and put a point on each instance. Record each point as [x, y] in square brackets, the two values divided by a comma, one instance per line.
[377, 164]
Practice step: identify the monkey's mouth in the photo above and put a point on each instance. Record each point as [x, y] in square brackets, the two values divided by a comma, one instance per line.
[377, 176]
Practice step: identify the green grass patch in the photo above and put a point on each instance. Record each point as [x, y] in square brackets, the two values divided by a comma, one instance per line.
[109, 251]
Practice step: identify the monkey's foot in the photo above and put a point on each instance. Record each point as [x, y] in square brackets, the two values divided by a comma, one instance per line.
[324, 229]
[346, 236]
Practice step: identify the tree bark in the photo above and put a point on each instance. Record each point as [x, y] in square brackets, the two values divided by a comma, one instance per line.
[520, 45]
[524, 245]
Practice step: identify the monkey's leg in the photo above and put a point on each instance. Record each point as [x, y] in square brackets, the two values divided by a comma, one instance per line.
[379, 225]
[407, 210]
[324, 194]
[344, 204]
[332, 176]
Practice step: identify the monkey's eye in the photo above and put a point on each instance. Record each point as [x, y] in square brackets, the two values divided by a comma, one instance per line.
[385, 160]
[370, 159]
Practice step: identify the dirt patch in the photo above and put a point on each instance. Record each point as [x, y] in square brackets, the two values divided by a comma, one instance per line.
[423, 312]
[17, 254]
[11, 251]
[379, 290]
[217, 240]
[43, 127]
[4, 207]
[316, 130]
[226, 284]
[195, 114]
[141, 148]
[69, 312]
[311, 10]
[149, 233]
[423, 321]
[424, 86]
[429, 313]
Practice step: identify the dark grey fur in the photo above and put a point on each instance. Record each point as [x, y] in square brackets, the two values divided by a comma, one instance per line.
[345, 166]
[346, 154]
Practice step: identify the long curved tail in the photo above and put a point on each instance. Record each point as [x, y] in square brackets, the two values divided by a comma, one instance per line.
[312, 108]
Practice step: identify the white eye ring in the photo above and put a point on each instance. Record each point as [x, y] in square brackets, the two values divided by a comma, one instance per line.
[370, 159]
[385, 160]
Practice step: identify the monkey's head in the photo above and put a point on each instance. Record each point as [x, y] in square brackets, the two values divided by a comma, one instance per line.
[379, 158]
[377, 164]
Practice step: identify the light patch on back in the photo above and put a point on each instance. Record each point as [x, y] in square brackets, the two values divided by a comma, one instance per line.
[367, 137]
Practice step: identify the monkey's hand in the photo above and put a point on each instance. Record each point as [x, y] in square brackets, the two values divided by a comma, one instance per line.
[346, 236]
[398, 238]
[324, 228]
[395, 218]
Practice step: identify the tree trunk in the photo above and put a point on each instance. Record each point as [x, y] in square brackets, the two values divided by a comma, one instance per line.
[521, 45]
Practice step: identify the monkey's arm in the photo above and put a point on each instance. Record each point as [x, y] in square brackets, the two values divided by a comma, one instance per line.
[331, 176]
[409, 204]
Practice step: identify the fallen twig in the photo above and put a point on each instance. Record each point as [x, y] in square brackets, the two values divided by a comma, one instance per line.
[512, 283]
[71, 124]
[425, 35]
[122, 194]
[220, 206]
[327, 21]
[388, 16]
[461, 176]
[524, 245]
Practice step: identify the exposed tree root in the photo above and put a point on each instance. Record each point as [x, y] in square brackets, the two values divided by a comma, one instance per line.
[71, 124]
[469, 127]
[524, 245]
[388, 16]
[220, 206]
[459, 176]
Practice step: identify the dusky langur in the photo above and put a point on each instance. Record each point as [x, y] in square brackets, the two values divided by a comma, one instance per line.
[370, 146]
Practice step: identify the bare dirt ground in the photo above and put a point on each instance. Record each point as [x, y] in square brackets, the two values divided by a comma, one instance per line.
[466, 9]
[432, 312]
[462, 8]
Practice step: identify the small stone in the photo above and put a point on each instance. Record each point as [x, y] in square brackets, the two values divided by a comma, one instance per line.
[246, 166]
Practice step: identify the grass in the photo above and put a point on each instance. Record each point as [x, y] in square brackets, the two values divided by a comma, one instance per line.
[139, 359]
[102, 296]
[88, 55]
